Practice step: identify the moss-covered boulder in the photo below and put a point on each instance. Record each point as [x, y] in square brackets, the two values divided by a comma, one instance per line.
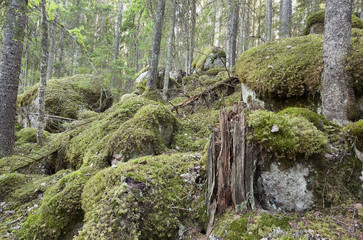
[298, 148]
[29, 135]
[129, 129]
[209, 58]
[355, 130]
[146, 198]
[315, 23]
[288, 72]
[64, 98]
[60, 210]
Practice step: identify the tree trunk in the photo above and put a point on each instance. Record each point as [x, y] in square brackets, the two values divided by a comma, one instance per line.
[286, 14]
[268, 20]
[10, 67]
[43, 75]
[192, 35]
[118, 26]
[136, 60]
[154, 58]
[102, 24]
[168, 55]
[361, 9]
[234, 34]
[229, 32]
[51, 52]
[336, 89]
[214, 24]
[242, 28]
[247, 26]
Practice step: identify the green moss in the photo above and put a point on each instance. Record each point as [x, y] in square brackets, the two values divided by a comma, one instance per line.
[292, 136]
[198, 62]
[60, 209]
[292, 67]
[66, 97]
[29, 135]
[318, 120]
[215, 71]
[140, 201]
[87, 114]
[319, 17]
[8, 182]
[355, 130]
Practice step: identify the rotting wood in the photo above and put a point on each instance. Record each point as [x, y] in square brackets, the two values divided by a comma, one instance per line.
[231, 164]
[196, 97]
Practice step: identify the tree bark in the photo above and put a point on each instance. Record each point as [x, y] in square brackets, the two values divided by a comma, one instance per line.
[229, 32]
[118, 26]
[192, 35]
[286, 14]
[43, 75]
[136, 60]
[168, 55]
[51, 48]
[247, 26]
[10, 67]
[214, 24]
[102, 25]
[234, 34]
[361, 9]
[336, 89]
[154, 58]
[268, 23]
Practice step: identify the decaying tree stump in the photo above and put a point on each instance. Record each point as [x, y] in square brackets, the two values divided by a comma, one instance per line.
[231, 164]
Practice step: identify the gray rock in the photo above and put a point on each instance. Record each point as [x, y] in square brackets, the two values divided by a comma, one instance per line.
[287, 189]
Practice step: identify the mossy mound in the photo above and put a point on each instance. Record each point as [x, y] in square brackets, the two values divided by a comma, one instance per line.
[59, 211]
[65, 98]
[319, 17]
[292, 67]
[147, 198]
[133, 127]
[287, 136]
[313, 224]
[355, 130]
[29, 135]
[8, 182]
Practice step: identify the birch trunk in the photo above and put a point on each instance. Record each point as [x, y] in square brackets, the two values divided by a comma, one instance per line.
[168, 55]
[43, 75]
[154, 58]
[10, 67]
[336, 89]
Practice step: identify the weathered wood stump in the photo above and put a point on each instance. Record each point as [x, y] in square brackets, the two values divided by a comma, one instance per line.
[231, 164]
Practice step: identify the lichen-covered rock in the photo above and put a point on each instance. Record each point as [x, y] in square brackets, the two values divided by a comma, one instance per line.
[147, 198]
[64, 98]
[288, 189]
[209, 58]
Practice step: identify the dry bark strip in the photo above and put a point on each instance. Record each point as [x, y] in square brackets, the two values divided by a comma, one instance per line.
[231, 164]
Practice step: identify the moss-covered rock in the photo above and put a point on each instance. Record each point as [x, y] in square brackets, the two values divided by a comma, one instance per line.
[355, 130]
[209, 58]
[292, 67]
[59, 211]
[319, 17]
[8, 182]
[65, 98]
[147, 198]
[29, 135]
[133, 127]
[287, 136]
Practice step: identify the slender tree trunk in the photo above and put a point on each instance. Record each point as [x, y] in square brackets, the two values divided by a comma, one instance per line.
[154, 58]
[43, 75]
[247, 26]
[361, 9]
[228, 49]
[214, 23]
[168, 55]
[286, 14]
[235, 21]
[336, 90]
[10, 67]
[51, 52]
[186, 43]
[192, 35]
[242, 27]
[102, 25]
[27, 53]
[268, 20]
[117, 37]
[136, 59]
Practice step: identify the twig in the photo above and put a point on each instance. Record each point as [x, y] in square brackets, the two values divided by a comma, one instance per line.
[16, 220]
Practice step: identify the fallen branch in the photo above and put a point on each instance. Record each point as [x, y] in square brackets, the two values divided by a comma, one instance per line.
[56, 117]
[205, 92]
